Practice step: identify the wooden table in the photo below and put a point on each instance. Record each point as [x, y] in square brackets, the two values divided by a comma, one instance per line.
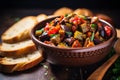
[44, 70]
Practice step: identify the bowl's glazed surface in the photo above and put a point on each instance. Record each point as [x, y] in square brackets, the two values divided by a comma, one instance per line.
[73, 56]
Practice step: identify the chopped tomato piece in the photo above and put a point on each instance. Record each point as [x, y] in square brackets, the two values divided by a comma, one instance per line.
[54, 30]
[107, 30]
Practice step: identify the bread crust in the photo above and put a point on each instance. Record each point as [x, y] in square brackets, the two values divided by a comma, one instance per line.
[41, 17]
[9, 68]
[83, 11]
[30, 64]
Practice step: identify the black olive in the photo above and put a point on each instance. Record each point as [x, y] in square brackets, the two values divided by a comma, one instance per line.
[97, 41]
[44, 37]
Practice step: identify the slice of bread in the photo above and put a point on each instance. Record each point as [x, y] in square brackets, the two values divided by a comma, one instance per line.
[19, 64]
[20, 30]
[17, 49]
[41, 17]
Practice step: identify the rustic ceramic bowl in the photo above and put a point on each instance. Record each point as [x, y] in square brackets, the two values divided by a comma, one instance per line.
[73, 56]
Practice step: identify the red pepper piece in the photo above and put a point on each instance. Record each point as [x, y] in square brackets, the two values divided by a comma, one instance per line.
[108, 31]
[75, 20]
[47, 27]
[54, 30]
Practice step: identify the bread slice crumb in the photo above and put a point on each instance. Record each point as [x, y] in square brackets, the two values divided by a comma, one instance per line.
[17, 49]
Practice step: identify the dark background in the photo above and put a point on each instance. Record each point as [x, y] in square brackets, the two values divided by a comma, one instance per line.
[91, 4]
[35, 7]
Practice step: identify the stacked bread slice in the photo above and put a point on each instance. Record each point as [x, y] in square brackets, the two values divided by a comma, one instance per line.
[17, 51]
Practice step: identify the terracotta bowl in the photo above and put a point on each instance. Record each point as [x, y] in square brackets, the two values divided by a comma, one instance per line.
[73, 56]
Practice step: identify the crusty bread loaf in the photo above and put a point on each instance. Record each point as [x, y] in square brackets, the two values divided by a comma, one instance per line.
[62, 11]
[83, 11]
[41, 17]
[20, 30]
[19, 64]
[17, 49]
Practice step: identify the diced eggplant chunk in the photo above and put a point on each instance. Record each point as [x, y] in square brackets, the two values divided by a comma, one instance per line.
[84, 27]
[62, 34]
[69, 41]
[65, 27]
[102, 33]
[44, 37]
[100, 26]
[97, 41]
[55, 39]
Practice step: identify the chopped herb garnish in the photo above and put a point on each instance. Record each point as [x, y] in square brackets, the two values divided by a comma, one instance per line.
[66, 15]
[39, 32]
[52, 35]
[92, 37]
